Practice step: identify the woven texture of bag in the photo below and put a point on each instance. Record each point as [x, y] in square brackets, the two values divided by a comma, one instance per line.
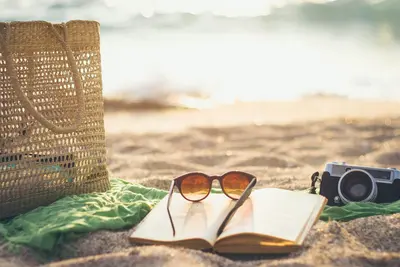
[52, 139]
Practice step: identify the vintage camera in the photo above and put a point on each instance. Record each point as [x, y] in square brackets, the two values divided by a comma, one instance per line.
[341, 183]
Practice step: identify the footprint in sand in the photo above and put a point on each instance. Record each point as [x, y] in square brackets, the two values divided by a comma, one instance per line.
[138, 149]
[248, 146]
[391, 158]
[380, 137]
[178, 138]
[118, 166]
[161, 183]
[314, 160]
[267, 162]
[209, 160]
[165, 165]
[356, 149]
[203, 144]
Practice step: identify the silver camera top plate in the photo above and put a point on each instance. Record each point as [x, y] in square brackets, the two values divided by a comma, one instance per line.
[381, 175]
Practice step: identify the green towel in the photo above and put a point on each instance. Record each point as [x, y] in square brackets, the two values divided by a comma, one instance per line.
[123, 206]
[357, 210]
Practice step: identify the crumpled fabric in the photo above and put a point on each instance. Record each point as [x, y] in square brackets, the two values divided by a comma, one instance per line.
[356, 210]
[124, 205]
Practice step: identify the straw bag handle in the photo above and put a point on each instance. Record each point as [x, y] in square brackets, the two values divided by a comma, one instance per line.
[4, 40]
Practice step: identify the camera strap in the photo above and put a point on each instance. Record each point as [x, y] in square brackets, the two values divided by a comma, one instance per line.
[314, 179]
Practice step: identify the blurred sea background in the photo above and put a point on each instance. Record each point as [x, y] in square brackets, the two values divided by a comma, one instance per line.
[200, 53]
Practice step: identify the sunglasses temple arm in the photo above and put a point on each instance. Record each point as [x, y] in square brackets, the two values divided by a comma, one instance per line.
[168, 204]
[239, 203]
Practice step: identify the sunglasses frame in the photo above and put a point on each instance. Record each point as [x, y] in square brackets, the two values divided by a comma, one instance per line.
[178, 183]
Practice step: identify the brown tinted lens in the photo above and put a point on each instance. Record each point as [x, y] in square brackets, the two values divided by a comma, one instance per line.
[234, 184]
[195, 187]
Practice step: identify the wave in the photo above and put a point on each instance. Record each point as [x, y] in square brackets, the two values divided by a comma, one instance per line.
[128, 17]
[115, 105]
[333, 14]
[151, 99]
[178, 101]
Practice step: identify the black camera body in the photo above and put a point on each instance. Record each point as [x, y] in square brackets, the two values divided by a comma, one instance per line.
[342, 183]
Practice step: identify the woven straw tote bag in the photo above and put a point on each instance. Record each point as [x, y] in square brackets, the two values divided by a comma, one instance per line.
[52, 139]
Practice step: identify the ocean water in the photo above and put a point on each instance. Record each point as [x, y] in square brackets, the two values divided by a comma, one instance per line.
[200, 52]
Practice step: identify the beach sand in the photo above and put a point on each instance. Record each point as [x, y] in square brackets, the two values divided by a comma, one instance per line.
[282, 143]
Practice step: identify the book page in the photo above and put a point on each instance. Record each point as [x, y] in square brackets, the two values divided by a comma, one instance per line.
[277, 213]
[192, 220]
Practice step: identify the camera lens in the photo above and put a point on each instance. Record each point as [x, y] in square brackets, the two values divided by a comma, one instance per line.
[357, 186]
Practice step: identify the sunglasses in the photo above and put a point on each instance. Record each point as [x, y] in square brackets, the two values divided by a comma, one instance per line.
[196, 186]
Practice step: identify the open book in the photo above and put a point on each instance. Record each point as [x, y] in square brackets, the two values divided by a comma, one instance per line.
[270, 221]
